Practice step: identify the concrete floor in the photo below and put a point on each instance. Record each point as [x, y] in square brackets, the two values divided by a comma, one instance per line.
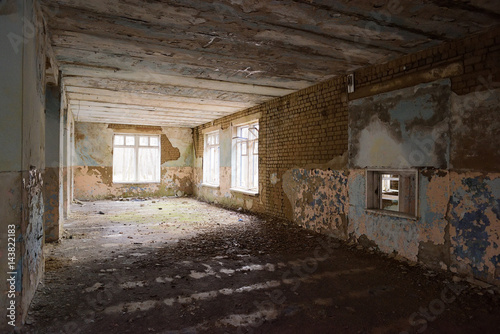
[176, 265]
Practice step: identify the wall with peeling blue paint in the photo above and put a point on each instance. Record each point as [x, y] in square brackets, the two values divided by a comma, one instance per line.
[319, 199]
[474, 216]
[430, 128]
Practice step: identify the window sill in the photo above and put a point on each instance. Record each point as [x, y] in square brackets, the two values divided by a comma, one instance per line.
[208, 185]
[392, 213]
[245, 191]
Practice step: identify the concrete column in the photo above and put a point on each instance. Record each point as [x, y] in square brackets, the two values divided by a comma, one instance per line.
[63, 166]
[66, 154]
[52, 182]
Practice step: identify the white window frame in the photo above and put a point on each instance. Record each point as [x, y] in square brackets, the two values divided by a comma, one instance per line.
[211, 159]
[137, 147]
[407, 194]
[242, 179]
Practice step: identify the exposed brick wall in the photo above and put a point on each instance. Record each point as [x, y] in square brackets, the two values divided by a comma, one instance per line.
[168, 152]
[306, 127]
[479, 54]
[310, 127]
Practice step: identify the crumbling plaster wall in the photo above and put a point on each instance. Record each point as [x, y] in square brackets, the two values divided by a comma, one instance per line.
[22, 134]
[474, 205]
[435, 111]
[94, 162]
[406, 128]
[448, 130]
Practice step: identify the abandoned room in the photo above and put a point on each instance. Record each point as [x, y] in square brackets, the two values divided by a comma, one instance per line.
[260, 166]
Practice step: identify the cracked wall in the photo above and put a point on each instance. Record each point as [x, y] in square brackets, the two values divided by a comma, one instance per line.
[93, 174]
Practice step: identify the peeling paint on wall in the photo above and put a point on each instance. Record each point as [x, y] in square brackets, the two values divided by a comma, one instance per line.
[168, 152]
[93, 177]
[474, 215]
[458, 222]
[318, 199]
[223, 194]
[403, 128]
[92, 183]
[181, 140]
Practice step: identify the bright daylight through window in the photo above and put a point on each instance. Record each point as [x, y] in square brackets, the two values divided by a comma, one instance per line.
[211, 159]
[245, 170]
[136, 158]
[392, 190]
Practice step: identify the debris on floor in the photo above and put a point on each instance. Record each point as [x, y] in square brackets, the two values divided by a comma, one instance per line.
[195, 268]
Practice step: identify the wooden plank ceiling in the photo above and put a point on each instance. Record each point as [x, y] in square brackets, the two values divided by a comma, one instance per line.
[187, 62]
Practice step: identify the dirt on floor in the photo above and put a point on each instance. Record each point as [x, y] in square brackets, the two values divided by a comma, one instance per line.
[176, 265]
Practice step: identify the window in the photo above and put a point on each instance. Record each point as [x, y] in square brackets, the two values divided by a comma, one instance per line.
[245, 167]
[136, 158]
[211, 159]
[392, 191]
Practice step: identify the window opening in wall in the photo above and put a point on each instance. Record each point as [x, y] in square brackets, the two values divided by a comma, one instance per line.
[136, 158]
[245, 167]
[392, 191]
[211, 158]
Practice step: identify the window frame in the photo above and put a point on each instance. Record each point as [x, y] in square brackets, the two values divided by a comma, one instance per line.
[251, 146]
[206, 151]
[374, 195]
[136, 147]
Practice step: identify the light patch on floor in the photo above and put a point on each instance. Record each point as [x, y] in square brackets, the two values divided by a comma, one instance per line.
[130, 285]
[132, 307]
[198, 296]
[113, 236]
[323, 301]
[226, 291]
[110, 245]
[259, 286]
[227, 271]
[163, 279]
[138, 254]
[252, 267]
[94, 287]
[240, 320]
